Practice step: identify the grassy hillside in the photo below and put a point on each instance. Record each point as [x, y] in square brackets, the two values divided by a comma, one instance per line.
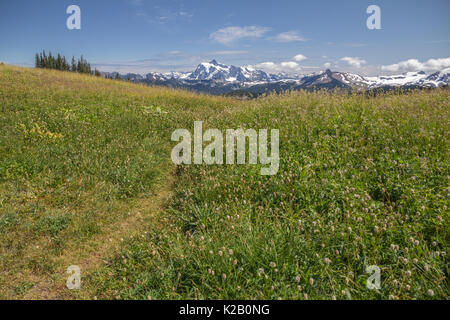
[86, 179]
[77, 154]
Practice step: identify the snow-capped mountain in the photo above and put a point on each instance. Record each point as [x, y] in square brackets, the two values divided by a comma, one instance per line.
[440, 78]
[411, 79]
[215, 71]
[335, 79]
[217, 78]
[157, 76]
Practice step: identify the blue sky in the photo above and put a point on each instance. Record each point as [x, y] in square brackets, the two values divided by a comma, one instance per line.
[152, 35]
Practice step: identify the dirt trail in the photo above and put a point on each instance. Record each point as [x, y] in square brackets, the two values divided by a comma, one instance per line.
[97, 250]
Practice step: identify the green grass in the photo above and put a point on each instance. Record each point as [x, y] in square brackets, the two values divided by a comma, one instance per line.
[362, 181]
[75, 152]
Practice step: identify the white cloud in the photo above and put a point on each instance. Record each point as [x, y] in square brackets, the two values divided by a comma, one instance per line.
[230, 34]
[354, 62]
[416, 65]
[271, 67]
[290, 65]
[327, 65]
[300, 57]
[289, 36]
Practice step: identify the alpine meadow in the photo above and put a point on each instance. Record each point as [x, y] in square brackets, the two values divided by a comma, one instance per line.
[86, 179]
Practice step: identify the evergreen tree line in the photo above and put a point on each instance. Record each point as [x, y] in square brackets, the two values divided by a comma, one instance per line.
[42, 60]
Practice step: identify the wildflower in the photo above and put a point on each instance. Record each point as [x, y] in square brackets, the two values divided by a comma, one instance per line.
[311, 281]
[230, 252]
[272, 265]
[430, 292]
[297, 278]
[220, 253]
[327, 261]
[224, 276]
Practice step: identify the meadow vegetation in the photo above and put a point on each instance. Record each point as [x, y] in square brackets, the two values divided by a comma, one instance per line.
[363, 180]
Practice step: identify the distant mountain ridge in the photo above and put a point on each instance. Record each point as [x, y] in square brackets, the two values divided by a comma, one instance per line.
[215, 71]
[216, 78]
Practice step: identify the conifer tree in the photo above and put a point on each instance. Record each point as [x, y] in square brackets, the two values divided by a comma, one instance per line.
[74, 65]
[59, 62]
[44, 60]
[37, 63]
[79, 65]
[50, 60]
[59, 65]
